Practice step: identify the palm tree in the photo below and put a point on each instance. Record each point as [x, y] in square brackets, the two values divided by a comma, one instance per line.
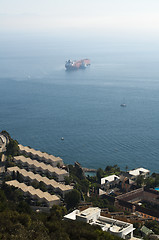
[126, 168]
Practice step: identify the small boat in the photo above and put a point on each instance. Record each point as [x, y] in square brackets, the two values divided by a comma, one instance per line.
[122, 105]
[62, 138]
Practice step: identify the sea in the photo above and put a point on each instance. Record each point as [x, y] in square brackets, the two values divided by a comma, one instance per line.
[41, 102]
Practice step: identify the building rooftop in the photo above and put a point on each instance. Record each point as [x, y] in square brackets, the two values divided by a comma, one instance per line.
[89, 211]
[138, 171]
[92, 216]
[39, 178]
[72, 215]
[146, 230]
[34, 192]
[110, 178]
[41, 165]
[39, 153]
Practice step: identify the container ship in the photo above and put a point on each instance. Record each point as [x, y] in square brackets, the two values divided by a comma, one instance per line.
[74, 65]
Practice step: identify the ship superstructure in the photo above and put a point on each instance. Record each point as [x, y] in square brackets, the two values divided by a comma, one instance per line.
[74, 65]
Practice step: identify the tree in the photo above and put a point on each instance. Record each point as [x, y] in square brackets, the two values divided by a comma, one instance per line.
[6, 134]
[153, 225]
[100, 174]
[85, 185]
[67, 180]
[112, 169]
[57, 212]
[140, 181]
[12, 148]
[72, 199]
[3, 201]
[24, 207]
[25, 219]
[108, 168]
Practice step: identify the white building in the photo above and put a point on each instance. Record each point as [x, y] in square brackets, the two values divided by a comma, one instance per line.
[138, 172]
[92, 216]
[40, 156]
[35, 194]
[109, 182]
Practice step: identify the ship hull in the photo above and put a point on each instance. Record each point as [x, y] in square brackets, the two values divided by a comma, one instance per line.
[75, 65]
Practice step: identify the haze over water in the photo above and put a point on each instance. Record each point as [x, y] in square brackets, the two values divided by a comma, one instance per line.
[40, 102]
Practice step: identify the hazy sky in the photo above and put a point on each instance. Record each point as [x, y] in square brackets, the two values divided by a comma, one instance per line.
[133, 16]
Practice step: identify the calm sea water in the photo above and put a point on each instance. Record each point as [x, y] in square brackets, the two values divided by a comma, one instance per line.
[40, 102]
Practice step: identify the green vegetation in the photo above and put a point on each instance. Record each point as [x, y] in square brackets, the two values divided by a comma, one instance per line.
[84, 185]
[18, 221]
[102, 203]
[72, 199]
[109, 170]
[150, 182]
[150, 205]
[78, 179]
[12, 148]
[153, 225]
